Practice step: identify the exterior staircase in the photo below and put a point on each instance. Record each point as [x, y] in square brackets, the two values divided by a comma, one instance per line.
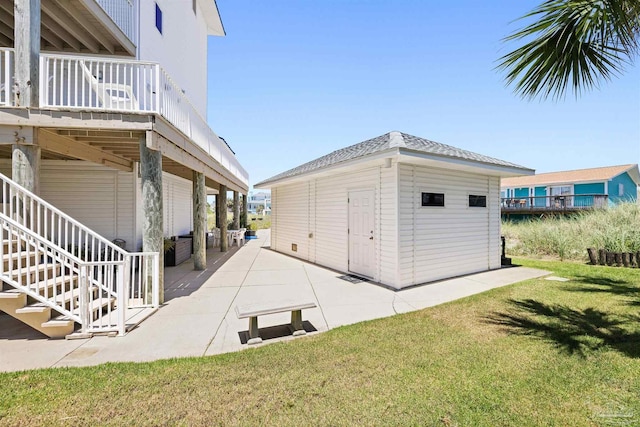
[49, 284]
[75, 283]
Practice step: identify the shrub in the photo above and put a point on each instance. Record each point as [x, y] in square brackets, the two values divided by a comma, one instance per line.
[616, 229]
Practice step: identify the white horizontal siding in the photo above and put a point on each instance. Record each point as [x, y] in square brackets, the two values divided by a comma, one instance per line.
[332, 215]
[319, 207]
[290, 221]
[495, 224]
[388, 223]
[441, 242]
[99, 197]
[177, 204]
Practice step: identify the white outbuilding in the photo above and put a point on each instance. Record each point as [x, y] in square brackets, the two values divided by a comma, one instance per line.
[397, 209]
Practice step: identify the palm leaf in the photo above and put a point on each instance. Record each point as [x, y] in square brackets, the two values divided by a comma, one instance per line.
[572, 44]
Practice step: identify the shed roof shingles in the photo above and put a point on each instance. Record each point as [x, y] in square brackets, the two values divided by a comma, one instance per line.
[388, 141]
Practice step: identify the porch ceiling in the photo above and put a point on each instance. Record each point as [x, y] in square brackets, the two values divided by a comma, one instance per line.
[112, 140]
[80, 26]
[118, 149]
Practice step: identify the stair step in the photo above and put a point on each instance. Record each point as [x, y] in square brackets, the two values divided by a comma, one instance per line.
[57, 322]
[10, 260]
[72, 294]
[10, 294]
[33, 308]
[53, 282]
[14, 245]
[32, 270]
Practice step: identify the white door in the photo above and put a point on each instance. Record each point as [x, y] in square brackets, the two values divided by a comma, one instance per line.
[361, 228]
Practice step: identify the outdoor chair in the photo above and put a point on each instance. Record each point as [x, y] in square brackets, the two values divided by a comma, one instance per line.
[238, 236]
[216, 236]
[112, 95]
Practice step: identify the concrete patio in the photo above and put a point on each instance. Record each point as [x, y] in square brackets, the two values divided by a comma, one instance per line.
[199, 319]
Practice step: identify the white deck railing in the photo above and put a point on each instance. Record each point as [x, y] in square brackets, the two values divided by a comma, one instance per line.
[106, 84]
[103, 278]
[6, 77]
[122, 13]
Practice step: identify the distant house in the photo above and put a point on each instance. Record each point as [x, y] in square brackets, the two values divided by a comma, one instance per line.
[397, 209]
[259, 202]
[569, 191]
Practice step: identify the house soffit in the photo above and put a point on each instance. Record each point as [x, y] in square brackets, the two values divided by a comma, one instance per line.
[74, 26]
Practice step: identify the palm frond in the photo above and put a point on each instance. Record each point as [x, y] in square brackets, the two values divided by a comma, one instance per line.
[573, 44]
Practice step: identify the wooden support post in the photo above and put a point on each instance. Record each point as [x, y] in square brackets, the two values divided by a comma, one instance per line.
[593, 256]
[25, 166]
[27, 59]
[152, 224]
[617, 256]
[217, 206]
[222, 206]
[236, 210]
[243, 213]
[199, 222]
[602, 256]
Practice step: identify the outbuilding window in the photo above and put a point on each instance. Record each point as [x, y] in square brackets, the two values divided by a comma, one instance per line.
[477, 201]
[432, 199]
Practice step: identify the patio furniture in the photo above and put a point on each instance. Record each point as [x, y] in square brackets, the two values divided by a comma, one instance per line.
[179, 253]
[239, 236]
[216, 236]
[111, 95]
[252, 311]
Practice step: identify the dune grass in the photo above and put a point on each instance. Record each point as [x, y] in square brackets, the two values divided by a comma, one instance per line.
[616, 229]
[536, 353]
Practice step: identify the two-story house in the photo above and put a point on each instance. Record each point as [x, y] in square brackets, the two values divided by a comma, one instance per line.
[569, 191]
[259, 202]
[105, 150]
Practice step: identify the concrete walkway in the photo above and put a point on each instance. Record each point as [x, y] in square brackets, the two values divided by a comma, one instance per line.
[199, 319]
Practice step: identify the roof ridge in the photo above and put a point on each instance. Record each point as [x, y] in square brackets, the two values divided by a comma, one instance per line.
[396, 139]
[393, 142]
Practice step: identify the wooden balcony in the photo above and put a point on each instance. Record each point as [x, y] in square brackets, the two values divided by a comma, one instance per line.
[137, 89]
[105, 27]
[565, 203]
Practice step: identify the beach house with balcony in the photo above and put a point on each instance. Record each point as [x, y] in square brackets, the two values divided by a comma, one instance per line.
[568, 191]
[105, 150]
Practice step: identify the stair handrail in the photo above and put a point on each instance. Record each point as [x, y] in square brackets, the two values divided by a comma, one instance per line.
[49, 206]
[51, 248]
[37, 215]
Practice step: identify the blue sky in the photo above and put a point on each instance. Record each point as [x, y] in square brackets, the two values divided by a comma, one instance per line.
[294, 80]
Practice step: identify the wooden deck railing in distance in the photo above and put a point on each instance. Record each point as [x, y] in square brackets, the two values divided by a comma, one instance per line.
[565, 202]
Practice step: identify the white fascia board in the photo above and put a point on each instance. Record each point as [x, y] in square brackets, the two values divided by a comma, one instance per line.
[212, 17]
[374, 159]
[465, 165]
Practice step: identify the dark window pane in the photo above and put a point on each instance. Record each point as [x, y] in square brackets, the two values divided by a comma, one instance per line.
[158, 18]
[432, 199]
[477, 201]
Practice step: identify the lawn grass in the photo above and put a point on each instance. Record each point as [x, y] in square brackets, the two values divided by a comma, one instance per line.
[535, 353]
